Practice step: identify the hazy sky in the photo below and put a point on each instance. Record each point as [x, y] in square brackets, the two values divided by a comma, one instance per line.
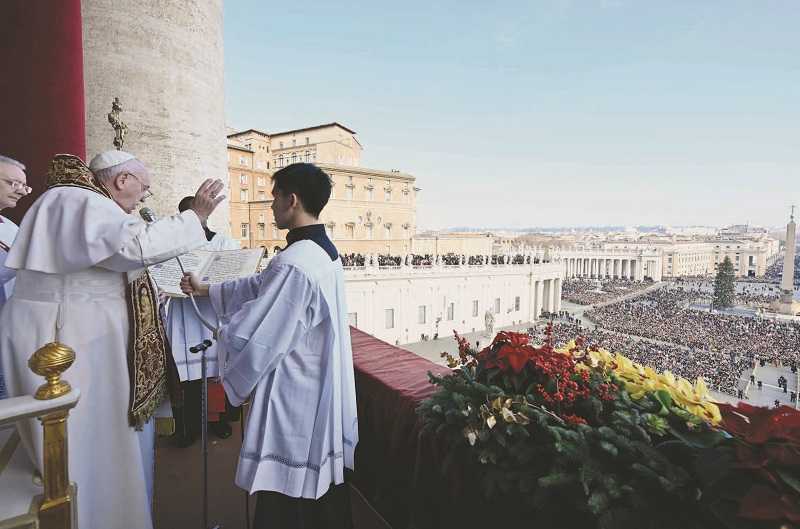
[541, 113]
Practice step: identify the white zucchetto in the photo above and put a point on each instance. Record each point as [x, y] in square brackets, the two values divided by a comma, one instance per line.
[107, 159]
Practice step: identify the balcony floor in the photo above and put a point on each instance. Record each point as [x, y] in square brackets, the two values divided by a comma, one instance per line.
[179, 482]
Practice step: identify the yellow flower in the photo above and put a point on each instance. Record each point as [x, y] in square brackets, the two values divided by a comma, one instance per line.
[641, 380]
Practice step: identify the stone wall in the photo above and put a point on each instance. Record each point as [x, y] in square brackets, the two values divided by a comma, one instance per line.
[164, 60]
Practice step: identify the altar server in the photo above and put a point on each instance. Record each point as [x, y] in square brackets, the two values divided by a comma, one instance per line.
[287, 341]
[185, 330]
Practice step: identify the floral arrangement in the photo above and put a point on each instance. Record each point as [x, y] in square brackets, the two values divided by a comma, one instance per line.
[591, 439]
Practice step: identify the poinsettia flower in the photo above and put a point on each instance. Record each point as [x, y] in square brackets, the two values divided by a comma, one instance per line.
[758, 425]
[516, 356]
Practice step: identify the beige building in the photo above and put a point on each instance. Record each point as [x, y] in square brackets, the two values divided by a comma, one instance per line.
[370, 211]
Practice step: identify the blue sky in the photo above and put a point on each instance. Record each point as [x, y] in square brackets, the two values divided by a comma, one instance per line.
[541, 113]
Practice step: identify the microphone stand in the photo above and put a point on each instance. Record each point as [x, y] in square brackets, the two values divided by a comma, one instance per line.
[149, 217]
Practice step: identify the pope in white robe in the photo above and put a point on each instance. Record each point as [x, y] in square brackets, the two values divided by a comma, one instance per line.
[13, 186]
[74, 255]
[286, 339]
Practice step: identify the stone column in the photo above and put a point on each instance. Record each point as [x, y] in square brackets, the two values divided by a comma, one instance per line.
[787, 280]
[547, 296]
[557, 295]
[539, 296]
[164, 60]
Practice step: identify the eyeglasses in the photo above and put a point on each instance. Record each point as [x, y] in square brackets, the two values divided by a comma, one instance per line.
[16, 185]
[145, 189]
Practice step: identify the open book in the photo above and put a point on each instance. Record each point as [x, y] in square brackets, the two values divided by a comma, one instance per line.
[210, 266]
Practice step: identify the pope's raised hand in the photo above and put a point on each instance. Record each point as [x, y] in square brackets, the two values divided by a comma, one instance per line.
[208, 197]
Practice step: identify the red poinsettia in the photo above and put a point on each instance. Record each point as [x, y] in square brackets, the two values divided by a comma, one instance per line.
[767, 456]
[758, 425]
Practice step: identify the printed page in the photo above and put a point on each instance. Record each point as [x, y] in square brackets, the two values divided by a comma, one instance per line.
[230, 264]
[168, 274]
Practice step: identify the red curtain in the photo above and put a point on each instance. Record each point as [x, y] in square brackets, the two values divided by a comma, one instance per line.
[41, 86]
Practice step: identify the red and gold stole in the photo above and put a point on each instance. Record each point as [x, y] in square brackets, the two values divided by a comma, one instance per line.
[151, 369]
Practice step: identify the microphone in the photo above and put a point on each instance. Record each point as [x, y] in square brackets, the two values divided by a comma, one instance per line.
[147, 214]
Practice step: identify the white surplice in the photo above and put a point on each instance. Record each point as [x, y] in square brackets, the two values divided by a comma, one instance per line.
[74, 253]
[8, 231]
[287, 341]
[185, 330]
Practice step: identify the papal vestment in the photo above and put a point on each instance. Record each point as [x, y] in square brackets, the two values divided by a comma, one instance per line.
[76, 254]
[287, 341]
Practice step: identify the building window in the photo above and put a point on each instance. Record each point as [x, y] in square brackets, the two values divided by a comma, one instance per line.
[261, 230]
[497, 306]
[307, 140]
[243, 195]
[242, 160]
[280, 160]
[387, 232]
[370, 194]
[267, 148]
[261, 181]
[245, 230]
[474, 308]
[243, 179]
[369, 233]
[349, 231]
[294, 143]
[274, 231]
[281, 145]
[294, 157]
[262, 195]
[352, 319]
[516, 304]
[348, 194]
[451, 311]
[389, 317]
[313, 156]
[307, 157]
[421, 314]
[387, 195]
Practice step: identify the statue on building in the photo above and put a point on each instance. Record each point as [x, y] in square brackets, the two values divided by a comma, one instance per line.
[488, 319]
[120, 128]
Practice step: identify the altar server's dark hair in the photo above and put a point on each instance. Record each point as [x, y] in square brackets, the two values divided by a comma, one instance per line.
[310, 183]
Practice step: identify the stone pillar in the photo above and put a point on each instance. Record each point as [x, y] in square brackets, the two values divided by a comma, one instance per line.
[557, 295]
[547, 296]
[164, 60]
[787, 280]
[539, 298]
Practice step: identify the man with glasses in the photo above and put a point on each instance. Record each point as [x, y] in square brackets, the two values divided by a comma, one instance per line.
[12, 188]
[80, 258]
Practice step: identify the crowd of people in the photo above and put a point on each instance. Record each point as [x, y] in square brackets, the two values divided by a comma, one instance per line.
[774, 271]
[353, 259]
[593, 292]
[719, 370]
[450, 259]
[664, 315]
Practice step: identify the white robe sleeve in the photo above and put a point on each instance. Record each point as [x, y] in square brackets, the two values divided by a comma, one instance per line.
[265, 329]
[158, 242]
[228, 297]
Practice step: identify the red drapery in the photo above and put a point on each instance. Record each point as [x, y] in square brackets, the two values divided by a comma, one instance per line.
[41, 86]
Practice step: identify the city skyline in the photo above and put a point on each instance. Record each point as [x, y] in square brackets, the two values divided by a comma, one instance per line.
[612, 113]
